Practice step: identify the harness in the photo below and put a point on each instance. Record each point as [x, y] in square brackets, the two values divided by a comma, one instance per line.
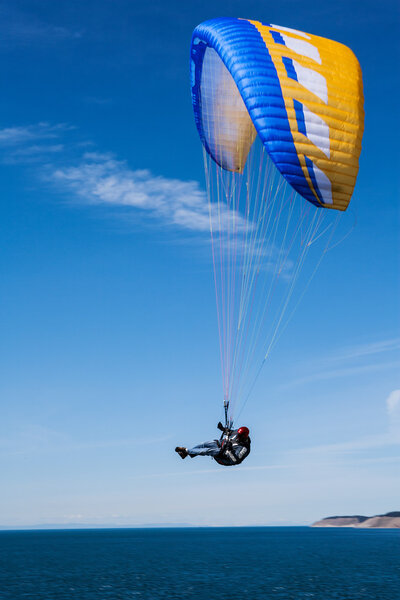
[226, 456]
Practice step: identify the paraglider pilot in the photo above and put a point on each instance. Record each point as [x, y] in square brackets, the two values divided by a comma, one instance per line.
[231, 449]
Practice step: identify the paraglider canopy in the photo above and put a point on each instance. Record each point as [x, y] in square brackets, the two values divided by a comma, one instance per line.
[302, 94]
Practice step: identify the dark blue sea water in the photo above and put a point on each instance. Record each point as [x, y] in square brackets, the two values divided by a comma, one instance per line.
[268, 563]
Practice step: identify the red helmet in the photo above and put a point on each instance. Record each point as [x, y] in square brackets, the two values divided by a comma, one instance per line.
[243, 432]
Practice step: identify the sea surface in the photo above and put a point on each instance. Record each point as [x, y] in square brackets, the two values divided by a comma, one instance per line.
[260, 563]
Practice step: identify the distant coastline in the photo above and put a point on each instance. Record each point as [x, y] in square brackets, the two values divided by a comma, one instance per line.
[390, 520]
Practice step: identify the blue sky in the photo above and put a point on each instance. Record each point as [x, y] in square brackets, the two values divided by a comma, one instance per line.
[109, 346]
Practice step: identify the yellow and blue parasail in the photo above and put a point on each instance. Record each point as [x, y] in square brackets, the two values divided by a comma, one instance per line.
[302, 94]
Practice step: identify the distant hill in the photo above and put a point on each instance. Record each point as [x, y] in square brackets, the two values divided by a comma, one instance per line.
[389, 520]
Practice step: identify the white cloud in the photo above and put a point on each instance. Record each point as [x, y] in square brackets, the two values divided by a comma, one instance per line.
[36, 150]
[15, 136]
[29, 144]
[101, 179]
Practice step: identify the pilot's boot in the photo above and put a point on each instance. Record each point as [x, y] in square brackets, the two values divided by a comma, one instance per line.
[181, 451]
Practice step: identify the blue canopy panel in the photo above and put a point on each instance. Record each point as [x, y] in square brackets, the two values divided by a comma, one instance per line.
[250, 101]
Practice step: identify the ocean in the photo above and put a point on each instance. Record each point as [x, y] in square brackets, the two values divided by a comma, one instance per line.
[257, 563]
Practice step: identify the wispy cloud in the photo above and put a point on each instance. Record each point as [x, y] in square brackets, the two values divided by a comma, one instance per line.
[342, 372]
[32, 143]
[16, 136]
[353, 360]
[101, 179]
[393, 403]
[38, 150]
[367, 349]
[19, 28]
